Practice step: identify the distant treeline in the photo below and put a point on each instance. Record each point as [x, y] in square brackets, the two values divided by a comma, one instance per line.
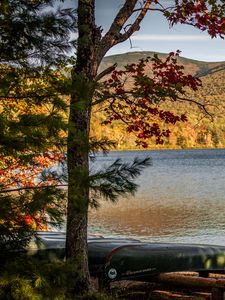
[201, 130]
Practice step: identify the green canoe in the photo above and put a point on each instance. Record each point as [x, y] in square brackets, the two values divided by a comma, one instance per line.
[129, 259]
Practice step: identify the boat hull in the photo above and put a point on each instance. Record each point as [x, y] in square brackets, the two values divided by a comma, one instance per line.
[128, 259]
[141, 262]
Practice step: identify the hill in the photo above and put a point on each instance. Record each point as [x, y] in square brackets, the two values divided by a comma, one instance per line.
[200, 131]
[194, 67]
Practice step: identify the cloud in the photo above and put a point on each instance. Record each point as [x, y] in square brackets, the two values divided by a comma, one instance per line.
[165, 37]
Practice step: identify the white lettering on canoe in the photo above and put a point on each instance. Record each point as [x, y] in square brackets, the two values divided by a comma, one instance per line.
[139, 271]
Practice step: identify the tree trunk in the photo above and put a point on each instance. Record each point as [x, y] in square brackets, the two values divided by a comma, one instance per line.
[91, 48]
[83, 86]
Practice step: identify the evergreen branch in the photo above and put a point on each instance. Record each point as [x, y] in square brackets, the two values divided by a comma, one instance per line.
[33, 33]
[103, 145]
[117, 179]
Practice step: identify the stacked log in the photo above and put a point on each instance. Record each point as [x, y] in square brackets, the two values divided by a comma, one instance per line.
[211, 286]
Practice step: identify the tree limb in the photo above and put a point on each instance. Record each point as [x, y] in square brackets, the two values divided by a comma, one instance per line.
[203, 107]
[27, 96]
[136, 25]
[32, 188]
[114, 36]
[106, 72]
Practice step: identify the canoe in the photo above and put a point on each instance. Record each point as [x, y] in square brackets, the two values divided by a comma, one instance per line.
[129, 259]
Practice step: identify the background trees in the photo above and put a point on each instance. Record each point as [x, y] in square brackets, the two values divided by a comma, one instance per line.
[33, 57]
[211, 94]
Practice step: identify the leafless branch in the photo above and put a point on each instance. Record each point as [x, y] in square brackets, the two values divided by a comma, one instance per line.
[113, 97]
[114, 35]
[118, 114]
[136, 24]
[201, 105]
[31, 188]
[106, 72]
[27, 96]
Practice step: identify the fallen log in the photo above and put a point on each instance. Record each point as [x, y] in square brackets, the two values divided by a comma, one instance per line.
[191, 281]
[215, 285]
[171, 295]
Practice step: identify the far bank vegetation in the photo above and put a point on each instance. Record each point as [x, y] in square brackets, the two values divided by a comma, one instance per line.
[200, 131]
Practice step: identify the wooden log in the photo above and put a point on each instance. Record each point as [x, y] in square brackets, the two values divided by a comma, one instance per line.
[169, 295]
[206, 295]
[217, 275]
[191, 281]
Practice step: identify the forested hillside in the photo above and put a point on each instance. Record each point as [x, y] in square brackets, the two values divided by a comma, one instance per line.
[191, 66]
[201, 131]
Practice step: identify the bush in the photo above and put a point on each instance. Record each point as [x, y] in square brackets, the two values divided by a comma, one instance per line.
[34, 278]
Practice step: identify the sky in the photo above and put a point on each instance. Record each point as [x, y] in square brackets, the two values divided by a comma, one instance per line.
[155, 34]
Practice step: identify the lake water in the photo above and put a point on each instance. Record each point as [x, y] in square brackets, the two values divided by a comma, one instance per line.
[181, 198]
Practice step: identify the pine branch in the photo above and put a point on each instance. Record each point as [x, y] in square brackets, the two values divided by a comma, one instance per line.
[103, 145]
[117, 179]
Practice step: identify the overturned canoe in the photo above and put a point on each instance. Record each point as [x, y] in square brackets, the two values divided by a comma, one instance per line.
[129, 259]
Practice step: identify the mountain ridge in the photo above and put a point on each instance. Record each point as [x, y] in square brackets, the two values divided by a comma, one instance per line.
[195, 67]
[200, 131]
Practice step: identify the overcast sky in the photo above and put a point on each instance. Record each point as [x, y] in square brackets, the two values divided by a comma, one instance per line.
[155, 35]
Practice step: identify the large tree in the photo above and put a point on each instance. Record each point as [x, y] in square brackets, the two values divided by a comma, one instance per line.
[34, 83]
[92, 45]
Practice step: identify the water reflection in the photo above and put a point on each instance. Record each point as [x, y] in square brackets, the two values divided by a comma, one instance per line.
[181, 198]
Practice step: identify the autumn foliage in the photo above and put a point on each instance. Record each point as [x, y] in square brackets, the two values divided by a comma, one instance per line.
[34, 77]
[134, 97]
[139, 107]
[15, 175]
[24, 172]
[204, 15]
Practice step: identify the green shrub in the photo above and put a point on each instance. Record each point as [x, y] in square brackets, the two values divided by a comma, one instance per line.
[37, 278]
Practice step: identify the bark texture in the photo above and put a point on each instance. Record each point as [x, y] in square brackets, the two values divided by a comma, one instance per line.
[78, 135]
[91, 49]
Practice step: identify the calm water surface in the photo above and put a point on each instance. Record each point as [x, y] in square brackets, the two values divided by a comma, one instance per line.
[181, 198]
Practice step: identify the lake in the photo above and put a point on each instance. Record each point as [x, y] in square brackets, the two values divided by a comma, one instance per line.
[181, 198]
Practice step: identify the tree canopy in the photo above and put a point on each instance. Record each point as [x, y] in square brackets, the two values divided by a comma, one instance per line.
[33, 56]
